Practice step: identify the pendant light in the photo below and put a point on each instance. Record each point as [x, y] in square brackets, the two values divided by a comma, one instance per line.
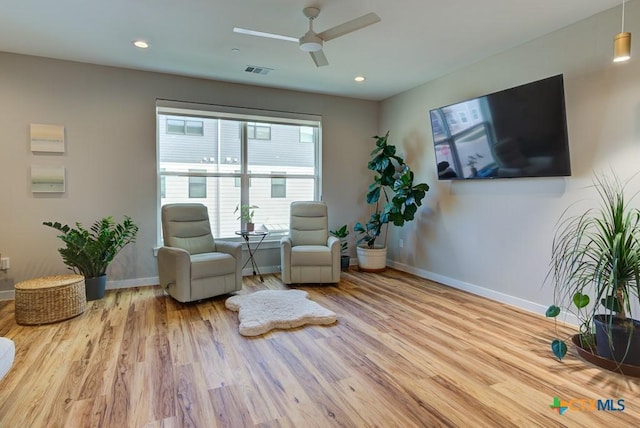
[622, 43]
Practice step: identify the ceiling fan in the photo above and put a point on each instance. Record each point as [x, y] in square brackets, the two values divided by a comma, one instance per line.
[311, 41]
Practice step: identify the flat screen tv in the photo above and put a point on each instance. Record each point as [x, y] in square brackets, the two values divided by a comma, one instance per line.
[517, 132]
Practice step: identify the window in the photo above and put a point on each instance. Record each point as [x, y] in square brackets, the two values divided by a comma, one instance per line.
[197, 185]
[258, 131]
[238, 169]
[175, 126]
[185, 127]
[238, 180]
[278, 186]
[194, 128]
[163, 185]
[306, 134]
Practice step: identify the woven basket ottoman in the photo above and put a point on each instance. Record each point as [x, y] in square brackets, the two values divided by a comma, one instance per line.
[49, 299]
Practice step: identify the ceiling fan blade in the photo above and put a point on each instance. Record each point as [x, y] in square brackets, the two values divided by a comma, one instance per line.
[267, 35]
[319, 58]
[349, 26]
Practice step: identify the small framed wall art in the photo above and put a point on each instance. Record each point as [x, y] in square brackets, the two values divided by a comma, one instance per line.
[47, 179]
[47, 138]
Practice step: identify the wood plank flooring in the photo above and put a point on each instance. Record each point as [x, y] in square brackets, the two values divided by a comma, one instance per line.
[405, 352]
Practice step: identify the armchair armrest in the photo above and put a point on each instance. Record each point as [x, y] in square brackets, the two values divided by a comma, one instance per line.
[333, 243]
[229, 247]
[235, 250]
[285, 240]
[285, 259]
[174, 266]
[334, 246]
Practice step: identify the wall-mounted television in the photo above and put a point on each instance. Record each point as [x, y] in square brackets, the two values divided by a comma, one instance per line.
[517, 132]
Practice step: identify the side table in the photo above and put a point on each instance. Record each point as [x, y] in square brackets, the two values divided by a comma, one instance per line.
[49, 299]
[247, 235]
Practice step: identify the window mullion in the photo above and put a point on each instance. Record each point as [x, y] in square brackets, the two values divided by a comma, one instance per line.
[244, 161]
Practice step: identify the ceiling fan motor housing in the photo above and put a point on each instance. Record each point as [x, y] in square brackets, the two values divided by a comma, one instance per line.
[310, 42]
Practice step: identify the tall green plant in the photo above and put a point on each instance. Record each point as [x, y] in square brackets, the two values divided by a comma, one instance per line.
[395, 197]
[595, 259]
[89, 252]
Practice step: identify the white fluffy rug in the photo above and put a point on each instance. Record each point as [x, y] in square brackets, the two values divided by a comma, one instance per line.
[265, 310]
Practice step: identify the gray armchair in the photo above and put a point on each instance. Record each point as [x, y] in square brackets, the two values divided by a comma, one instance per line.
[309, 254]
[191, 265]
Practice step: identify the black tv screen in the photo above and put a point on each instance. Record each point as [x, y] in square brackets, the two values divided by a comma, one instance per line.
[517, 132]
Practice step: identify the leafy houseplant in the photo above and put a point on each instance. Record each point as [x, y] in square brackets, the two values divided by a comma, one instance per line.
[595, 263]
[393, 194]
[342, 234]
[90, 251]
[246, 215]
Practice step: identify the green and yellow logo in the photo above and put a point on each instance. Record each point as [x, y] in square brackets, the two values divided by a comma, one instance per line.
[587, 405]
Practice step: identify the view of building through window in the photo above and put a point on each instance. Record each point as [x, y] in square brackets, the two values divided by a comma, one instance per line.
[235, 161]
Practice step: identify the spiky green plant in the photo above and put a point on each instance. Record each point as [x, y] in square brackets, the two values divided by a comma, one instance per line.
[89, 252]
[341, 233]
[595, 260]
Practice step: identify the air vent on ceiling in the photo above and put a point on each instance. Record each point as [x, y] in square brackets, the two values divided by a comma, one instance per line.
[257, 70]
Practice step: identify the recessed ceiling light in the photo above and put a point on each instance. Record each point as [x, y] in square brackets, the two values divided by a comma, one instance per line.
[140, 44]
[359, 79]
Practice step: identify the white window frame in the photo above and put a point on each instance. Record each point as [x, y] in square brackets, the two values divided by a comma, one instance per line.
[262, 117]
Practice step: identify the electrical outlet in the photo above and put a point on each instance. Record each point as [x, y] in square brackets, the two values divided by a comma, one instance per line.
[5, 263]
[401, 243]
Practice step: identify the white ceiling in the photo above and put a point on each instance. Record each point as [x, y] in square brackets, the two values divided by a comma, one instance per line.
[416, 41]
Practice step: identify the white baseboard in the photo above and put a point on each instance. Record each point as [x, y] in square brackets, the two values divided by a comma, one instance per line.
[481, 291]
[263, 270]
[445, 280]
[111, 285]
[7, 295]
[136, 282]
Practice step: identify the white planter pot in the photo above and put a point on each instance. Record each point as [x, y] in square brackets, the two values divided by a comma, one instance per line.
[372, 259]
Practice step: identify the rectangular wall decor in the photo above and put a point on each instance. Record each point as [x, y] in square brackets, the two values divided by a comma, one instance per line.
[47, 179]
[47, 138]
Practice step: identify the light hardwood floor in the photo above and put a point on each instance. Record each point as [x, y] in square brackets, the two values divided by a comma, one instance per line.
[405, 352]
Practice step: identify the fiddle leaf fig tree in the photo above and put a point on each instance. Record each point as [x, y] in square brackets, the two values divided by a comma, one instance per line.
[393, 193]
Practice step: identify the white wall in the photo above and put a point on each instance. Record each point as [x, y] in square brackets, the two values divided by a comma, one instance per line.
[110, 158]
[494, 237]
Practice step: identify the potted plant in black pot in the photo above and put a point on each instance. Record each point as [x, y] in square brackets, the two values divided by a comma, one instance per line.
[395, 199]
[342, 234]
[89, 252]
[595, 268]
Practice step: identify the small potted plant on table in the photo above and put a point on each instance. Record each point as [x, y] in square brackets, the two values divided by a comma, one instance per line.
[246, 215]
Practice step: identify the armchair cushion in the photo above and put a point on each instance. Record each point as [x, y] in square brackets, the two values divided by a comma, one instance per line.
[211, 264]
[187, 226]
[310, 255]
[308, 224]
